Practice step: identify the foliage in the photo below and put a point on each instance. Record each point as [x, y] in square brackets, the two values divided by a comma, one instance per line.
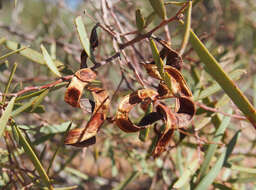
[177, 77]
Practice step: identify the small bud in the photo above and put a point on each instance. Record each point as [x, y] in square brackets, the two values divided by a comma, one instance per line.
[140, 22]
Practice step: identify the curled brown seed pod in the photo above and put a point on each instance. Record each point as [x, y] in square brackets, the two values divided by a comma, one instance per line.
[75, 88]
[86, 136]
[179, 84]
[126, 105]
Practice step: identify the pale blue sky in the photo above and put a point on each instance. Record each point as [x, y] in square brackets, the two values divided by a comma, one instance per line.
[73, 3]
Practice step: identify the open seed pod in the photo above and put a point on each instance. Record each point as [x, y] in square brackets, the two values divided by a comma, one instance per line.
[126, 105]
[86, 136]
[173, 121]
[172, 57]
[179, 84]
[170, 125]
[186, 111]
[75, 89]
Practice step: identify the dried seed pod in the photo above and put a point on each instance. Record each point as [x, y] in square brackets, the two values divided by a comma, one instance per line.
[87, 135]
[180, 81]
[163, 90]
[126, 105]
[179, 85]
[94, 42]
[85, 75]
[152, 70]
[150, 118]
[83, 58]
[74, 92]
[170, 126]
[77, 137]
[76, 86]
[173, 59]
[186, 111]
[87, 105]
[162, 143]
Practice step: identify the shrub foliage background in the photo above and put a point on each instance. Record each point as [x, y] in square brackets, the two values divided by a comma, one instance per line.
[219, 153]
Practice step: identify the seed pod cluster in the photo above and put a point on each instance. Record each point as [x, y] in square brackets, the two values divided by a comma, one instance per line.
[179, 118]
[85, 136]
[171, 85]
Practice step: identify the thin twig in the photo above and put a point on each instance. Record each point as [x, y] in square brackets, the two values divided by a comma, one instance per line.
[235, 116]
[32, 88]
[148, 34]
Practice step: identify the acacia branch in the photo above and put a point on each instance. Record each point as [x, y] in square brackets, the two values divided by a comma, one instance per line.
[32, 88]
[148, 34]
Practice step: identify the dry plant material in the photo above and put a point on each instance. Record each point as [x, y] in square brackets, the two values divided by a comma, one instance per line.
[173, 119]
[85, 136]
[75, 89]
[126, 105]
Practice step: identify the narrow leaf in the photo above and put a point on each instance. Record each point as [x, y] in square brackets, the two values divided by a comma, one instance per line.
[187, 28]
[159, 62]
[58, 128]
[23, 107]
[128, 180]
[77, 173]
[49, 62]
[5, 116]
[215, 70]
[186, 175]
[33, 94]
[66, 188]
[159, 8]
[15, 133]
[39, 99]
[235, 75]
[34, 159]
[13, 52]
[38, 109]
[212, 147]
[29, 53]
[83, 35]
[243, 169]
[213, 173]
[9, 81]
[231, 145]
[243, 180]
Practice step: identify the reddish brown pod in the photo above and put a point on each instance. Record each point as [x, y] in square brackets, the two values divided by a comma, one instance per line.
[85, 136]
[173, 119]
[75, 89]
[126, 105]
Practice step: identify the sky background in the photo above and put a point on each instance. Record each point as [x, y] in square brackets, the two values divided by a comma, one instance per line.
[73, 3]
